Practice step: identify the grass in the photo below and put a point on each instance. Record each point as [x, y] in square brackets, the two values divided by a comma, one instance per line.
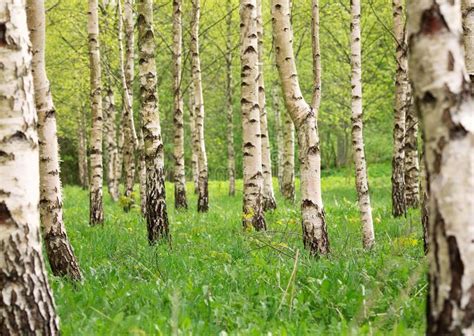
[217, 279]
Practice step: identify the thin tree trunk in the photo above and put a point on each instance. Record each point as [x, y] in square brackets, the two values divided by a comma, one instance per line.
[178, 118]
[229, 103]
[194, 139]
[142, 169]
[278, 134]
[362, 186]
[442, 92]
[400, 111]
[315, 236]
[58, 248]
[130, 137]
[96, 206]
[110, 130]
[82, 151]
[156, 214]
[269, 202]
[412, 162]
[203, 193]
[26, 301]
[288, 160]
[253, 180]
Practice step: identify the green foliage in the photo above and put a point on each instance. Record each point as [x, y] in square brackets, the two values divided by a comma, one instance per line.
[218, 278]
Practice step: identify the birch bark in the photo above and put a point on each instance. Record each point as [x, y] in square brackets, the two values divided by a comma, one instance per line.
[229, 102]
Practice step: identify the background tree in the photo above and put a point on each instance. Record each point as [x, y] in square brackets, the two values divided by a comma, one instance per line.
[26, 301]
[442, 92]
[229, 101]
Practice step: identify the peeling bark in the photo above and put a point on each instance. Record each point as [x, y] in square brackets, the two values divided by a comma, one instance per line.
[229, 103]
[269, 202]
[26, 301]
[203, 193]
[180, 201]
[315, 235]
[96, 205]
[156, 213]
[362, 185]
[59, 250]
[253, 180]
[400, 111]
[442, 91]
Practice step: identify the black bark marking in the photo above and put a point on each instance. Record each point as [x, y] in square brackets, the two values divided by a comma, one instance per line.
[3, 34]
[432, 21]
[5, 214]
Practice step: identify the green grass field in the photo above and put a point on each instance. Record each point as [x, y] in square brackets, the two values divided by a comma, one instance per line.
[217, 279]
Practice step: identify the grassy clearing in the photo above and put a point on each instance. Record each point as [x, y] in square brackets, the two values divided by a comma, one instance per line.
[218, 278]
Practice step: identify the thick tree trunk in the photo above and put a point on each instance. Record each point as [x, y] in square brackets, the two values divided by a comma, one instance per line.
[110, 130]
[442, 92]
[400, 111]
[315, 235]
[278, 134]
[203, 193]
[252, 158]
[60, 253]
[468, 29]
[288, 160]
[156, 214]
[82, 151]
[269, 202]
[180, 201]
[412, 162]
[229, 103]
[127, 67]
[96, 205]
[362, 186]
[194, 139]
[26, 301]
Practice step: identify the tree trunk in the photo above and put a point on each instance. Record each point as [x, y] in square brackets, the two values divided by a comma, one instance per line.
[180, 201]
[288, 160]
[400, 111]
[362, 186]
[468, 29]
[26, 301]
[130, 137]
[96, 206]
[442, 92]
[252, 157]
[194, 139]
[142, 169]
[156, 214]
[58, 248]
[278, 134]
[110, 130]
[412, 163]
[203, 193]
[315, 235]
[82, 151]
[229, 103]
[269, 202]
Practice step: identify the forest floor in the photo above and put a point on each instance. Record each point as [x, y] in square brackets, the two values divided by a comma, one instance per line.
[217, 279]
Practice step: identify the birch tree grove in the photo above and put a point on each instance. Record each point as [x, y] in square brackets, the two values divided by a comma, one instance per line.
[178, 118]
[96, 206]
[60, 253]
[203, 193]
[26, 301]
[156, 214]
[400, 111]
[269, 202]
[315, 235]
[442, 92]
[362, 186]
[253, 180]
[229, 102]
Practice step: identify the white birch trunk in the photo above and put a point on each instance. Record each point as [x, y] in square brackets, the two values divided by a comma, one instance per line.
[194, 139]
[82, 151]
[110, 131]
[278, 134]
[229, 102]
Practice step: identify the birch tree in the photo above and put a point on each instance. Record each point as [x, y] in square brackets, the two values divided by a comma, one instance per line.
[412, 162]
[400, 111]
[194, 139]
[269, 202]
[278, 134]
[442, 92]
[467, 7]
[229, 101]
[252, 159]
[368, 237]
[26, 301]
[178, 118]
[288, 160]
[110, 132]
[156, 214]
[304, 117]
[83, 166]
[203, 193]
[96, 180]
[59, 250]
